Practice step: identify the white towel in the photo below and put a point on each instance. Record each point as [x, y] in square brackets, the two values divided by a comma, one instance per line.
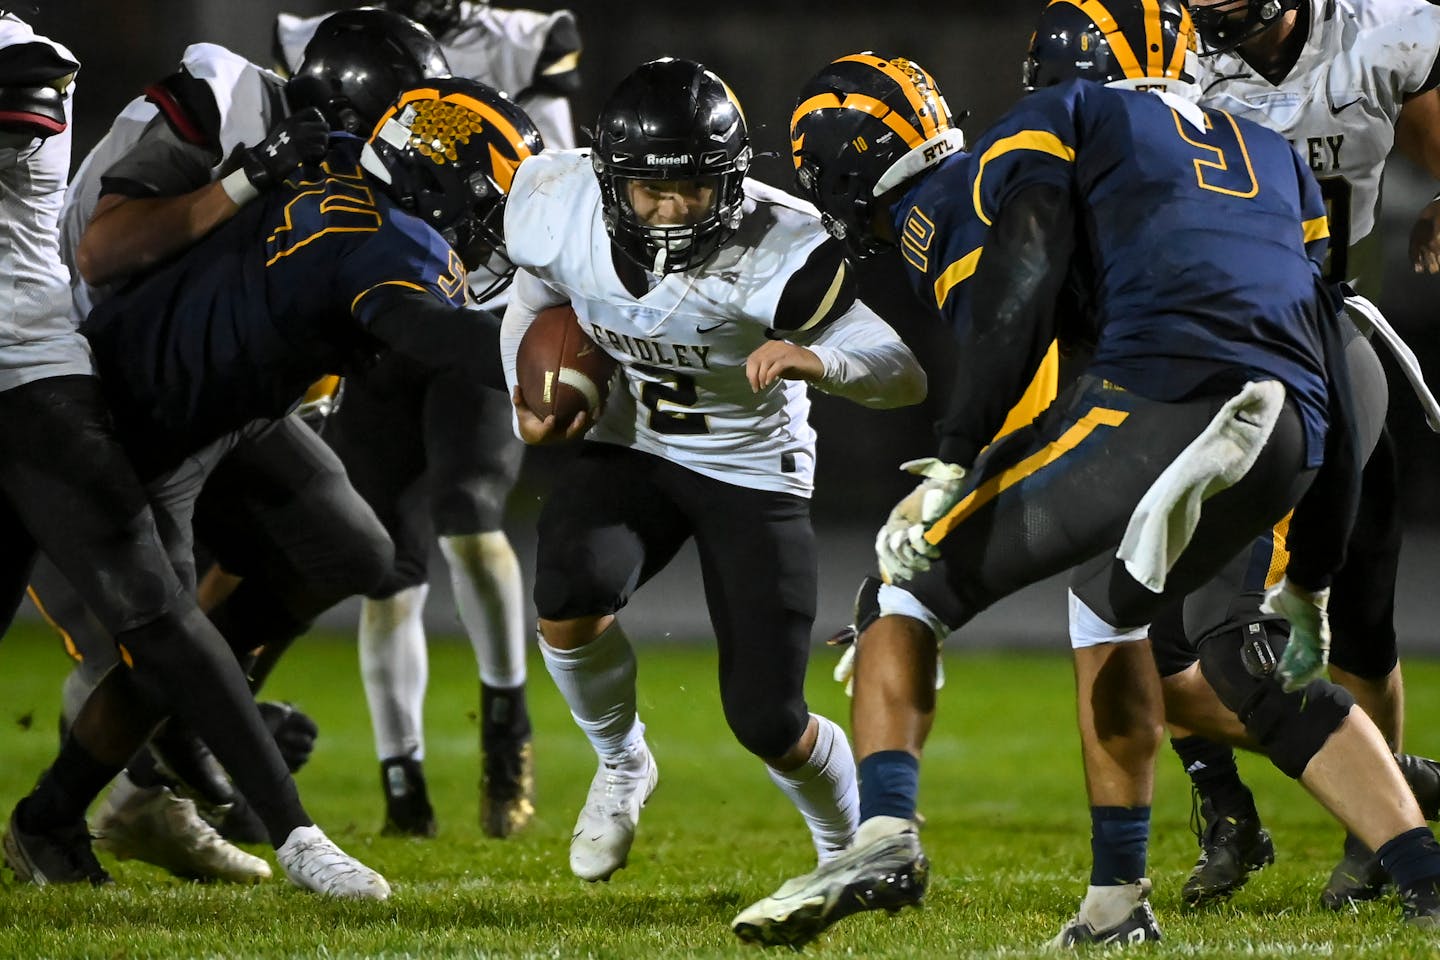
[1164, 521]
[1403, 355]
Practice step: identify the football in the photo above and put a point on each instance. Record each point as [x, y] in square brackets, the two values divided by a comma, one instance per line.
[559, 369]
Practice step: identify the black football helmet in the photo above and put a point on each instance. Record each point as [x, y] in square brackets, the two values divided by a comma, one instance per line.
[1225, 25]
[671, 120]
[862, 126]
[437, 16]
[447, 152]
[357, 63]
[1132, 42]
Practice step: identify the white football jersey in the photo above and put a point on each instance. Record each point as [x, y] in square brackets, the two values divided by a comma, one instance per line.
[249, 101]
[683, 345]
[37, 339]
[498, 47]
[1340, 101]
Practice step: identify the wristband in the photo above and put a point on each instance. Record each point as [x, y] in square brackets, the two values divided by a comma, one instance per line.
[238, 188]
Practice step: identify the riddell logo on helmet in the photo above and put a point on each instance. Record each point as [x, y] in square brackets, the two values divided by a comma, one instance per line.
[659, 160]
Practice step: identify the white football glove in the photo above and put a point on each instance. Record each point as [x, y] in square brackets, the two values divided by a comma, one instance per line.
[845, 668]
[1308, 652]
[901, 547]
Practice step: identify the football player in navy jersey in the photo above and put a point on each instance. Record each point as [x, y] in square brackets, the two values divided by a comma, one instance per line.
[70, 490]
[433, 453]
[1184, 246]
[363, 251]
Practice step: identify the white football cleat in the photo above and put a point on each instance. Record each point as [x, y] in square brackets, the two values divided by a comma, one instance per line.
[313, 861]
[605, 829]
[152, 824]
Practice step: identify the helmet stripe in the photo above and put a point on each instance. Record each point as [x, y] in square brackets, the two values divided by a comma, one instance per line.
[865, 104]
[931, 122]
[1183, 44]
[1119, 46]
[1154, 40]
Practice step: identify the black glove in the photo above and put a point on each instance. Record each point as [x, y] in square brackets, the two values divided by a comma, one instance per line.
[299, 138]
[293, 730]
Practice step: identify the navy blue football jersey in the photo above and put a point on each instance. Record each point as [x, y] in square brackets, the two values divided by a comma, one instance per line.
[237, 327]
[1200, 239]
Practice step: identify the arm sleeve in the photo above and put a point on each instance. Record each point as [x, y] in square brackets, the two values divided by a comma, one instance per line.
[160, 164]
[1314, 223]
[1012, 317]
[424, 328]
[867, 362]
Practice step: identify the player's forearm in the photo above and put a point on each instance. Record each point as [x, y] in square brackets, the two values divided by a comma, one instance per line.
[866, 362]
[1417, 132]
[437, 334]
[130, 235]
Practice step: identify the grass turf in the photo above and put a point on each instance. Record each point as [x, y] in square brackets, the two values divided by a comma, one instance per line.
[1007, 834]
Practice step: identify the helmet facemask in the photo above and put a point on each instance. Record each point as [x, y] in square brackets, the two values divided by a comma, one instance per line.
[1226, 25]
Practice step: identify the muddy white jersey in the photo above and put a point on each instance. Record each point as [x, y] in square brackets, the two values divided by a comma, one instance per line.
[1339, 103]
[249, 100]
[37, 339]
[511, 50]
[683, 345]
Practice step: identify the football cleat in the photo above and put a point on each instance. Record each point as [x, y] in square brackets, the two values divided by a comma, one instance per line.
[1423, 776]
[407, 802]
[153, 825]
[1138, 926]
[1421, 906]
[884, 869]
[56, 856]
[507, 762]
[1357, 877]
[507, 788]
[1231, 848]
[605, 829]
[313, 861]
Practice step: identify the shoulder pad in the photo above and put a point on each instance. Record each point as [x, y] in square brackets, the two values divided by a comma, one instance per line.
[188, 106]
[557, 70]
[32, 111]
[822, 289]
[35, 64]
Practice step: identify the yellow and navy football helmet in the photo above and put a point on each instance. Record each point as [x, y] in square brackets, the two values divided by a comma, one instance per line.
[1225, 25]
[447, 151]
[863, 125]
[1138, 43]
[671, 119]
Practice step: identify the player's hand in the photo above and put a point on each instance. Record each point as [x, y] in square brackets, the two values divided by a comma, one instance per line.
[538, 432]
[299, 138]
[293, 729]
[1308, 652]
[901, 547]
[781, 360]
[1425, 239]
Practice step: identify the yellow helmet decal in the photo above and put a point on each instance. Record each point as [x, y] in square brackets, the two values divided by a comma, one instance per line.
[918, 88]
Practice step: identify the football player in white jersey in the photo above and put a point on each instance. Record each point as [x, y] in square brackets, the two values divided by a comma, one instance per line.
[723, 299]
[1344, 80]
[405, 430]
[69, 489]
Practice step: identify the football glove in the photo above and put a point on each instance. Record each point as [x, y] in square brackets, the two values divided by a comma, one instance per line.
[299, 138]
[901, 547]
[1308, 652]
[845, 668]
[293, 730]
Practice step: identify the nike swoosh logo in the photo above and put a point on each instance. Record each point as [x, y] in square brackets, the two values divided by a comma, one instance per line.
[1336, 111]
[711, 328]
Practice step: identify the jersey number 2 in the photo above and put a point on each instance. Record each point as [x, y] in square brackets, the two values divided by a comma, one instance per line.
[675, 390]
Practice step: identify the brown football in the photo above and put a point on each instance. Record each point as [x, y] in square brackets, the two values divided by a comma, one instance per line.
[560, 369]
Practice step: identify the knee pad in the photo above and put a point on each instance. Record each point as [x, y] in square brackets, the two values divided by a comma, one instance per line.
[473, 507]
[1239, 662]
[768, 730]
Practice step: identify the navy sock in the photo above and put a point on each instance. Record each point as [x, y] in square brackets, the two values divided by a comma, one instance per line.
[1412, 859]
[889, 785]
[1119, 837]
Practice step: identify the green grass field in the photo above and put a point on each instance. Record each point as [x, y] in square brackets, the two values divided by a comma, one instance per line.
[1007, 834]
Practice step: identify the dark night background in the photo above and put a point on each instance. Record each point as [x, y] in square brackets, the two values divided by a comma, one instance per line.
[766, 51]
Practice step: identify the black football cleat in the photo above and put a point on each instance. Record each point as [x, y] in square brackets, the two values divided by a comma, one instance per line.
[407, 802]
[1423, 776]
[1232, 846]
[507, 762]
[63, 855]
[1420, 906]
[1356, 878]
[1139, 925]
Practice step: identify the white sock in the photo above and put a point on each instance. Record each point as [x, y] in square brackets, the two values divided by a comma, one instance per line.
[825, 790]
[598, 684]
[485, 575]
[395, 667]
[1106, 907]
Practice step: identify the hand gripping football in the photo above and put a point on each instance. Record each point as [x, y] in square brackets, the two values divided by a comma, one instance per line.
[559, 369]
